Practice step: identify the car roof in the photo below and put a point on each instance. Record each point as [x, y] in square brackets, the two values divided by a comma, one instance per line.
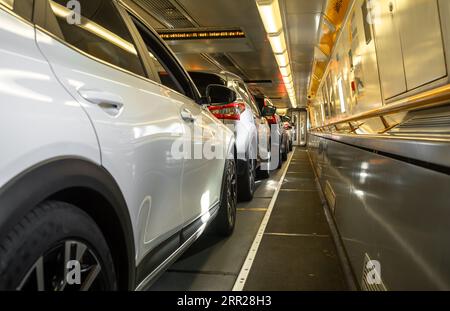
[225, 75]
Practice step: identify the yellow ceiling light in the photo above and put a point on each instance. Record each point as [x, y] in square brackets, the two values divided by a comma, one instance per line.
[285, 71]
[287, 80]
[278, 42]
[289, 88]
[270, 14]
[273, 23]
[282, 59]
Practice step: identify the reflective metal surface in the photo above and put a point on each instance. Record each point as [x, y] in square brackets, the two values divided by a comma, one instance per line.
[395, 212]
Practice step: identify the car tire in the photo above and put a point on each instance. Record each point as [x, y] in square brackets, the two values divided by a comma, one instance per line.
[264, 173]
[35, 254]
[280, 157]
[225, 221]
[284, 154]
[247, 181]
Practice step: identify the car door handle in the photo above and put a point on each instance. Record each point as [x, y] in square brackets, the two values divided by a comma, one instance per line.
[109, 102]
[187, 115]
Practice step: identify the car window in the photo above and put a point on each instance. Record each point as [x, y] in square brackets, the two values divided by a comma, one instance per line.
[166, 67]
[100, 32]
[23, 8]
[202, 80]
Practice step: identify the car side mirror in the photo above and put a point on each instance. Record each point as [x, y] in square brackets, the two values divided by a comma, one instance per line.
[219, 94]
[269, 111]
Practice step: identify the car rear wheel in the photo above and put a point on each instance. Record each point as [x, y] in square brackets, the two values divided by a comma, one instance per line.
[247, 182]
[284, 154]
[56, 247]
[225, 220]
[280, 156]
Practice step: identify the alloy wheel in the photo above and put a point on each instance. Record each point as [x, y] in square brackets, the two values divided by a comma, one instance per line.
[252, 175]
[51, 272]
[231, 192]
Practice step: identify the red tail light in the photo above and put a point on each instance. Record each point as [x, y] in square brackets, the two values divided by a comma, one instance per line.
[228, 112]
[272, 120]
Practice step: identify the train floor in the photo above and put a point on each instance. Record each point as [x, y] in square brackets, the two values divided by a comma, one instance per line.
[288, 248]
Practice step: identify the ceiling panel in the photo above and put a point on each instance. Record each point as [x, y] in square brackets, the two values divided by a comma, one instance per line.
[258, 62]
[304, 6]
[302, 23]
[195, 62]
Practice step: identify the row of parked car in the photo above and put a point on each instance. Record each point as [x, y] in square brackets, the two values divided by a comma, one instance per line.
[263, 139]
[92, 196]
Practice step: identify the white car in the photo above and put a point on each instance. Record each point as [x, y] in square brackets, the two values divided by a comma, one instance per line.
[91, 194]
[251, 128]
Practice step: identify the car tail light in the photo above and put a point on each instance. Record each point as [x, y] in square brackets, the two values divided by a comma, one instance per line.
[271, 120]
[228, 112]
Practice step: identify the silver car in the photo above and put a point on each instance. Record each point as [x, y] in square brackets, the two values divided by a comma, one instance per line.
[251, 128]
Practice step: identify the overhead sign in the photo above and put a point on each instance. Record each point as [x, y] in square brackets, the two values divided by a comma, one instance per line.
[202, 34]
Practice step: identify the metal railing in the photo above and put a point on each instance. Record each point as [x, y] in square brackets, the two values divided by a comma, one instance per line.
[428, 99]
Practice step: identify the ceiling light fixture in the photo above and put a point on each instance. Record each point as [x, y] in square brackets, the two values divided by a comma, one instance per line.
[288, 81]
[285, 71]
[270, 13]
[278, 42]
[282, 59]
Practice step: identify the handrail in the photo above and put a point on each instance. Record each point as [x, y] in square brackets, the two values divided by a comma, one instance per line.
[428, 99]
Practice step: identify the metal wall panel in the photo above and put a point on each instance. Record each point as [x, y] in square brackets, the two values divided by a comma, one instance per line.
[395, 212]
[444, 10]
[422, 45]
[389, 50]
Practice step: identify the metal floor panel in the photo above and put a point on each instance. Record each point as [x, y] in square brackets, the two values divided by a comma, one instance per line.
[297, 213]
[297, 251]
[293, 263]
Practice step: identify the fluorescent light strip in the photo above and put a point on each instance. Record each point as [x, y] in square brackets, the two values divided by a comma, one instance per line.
[288, 81]
[282, 59]
[278, 42]
[270, 13]
[285, 71]
[271, 16]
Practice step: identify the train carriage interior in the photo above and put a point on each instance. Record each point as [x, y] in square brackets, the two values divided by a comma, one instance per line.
[333, 115]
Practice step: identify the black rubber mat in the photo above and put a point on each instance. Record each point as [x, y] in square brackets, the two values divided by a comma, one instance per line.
[297, 251]
[304, 216]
